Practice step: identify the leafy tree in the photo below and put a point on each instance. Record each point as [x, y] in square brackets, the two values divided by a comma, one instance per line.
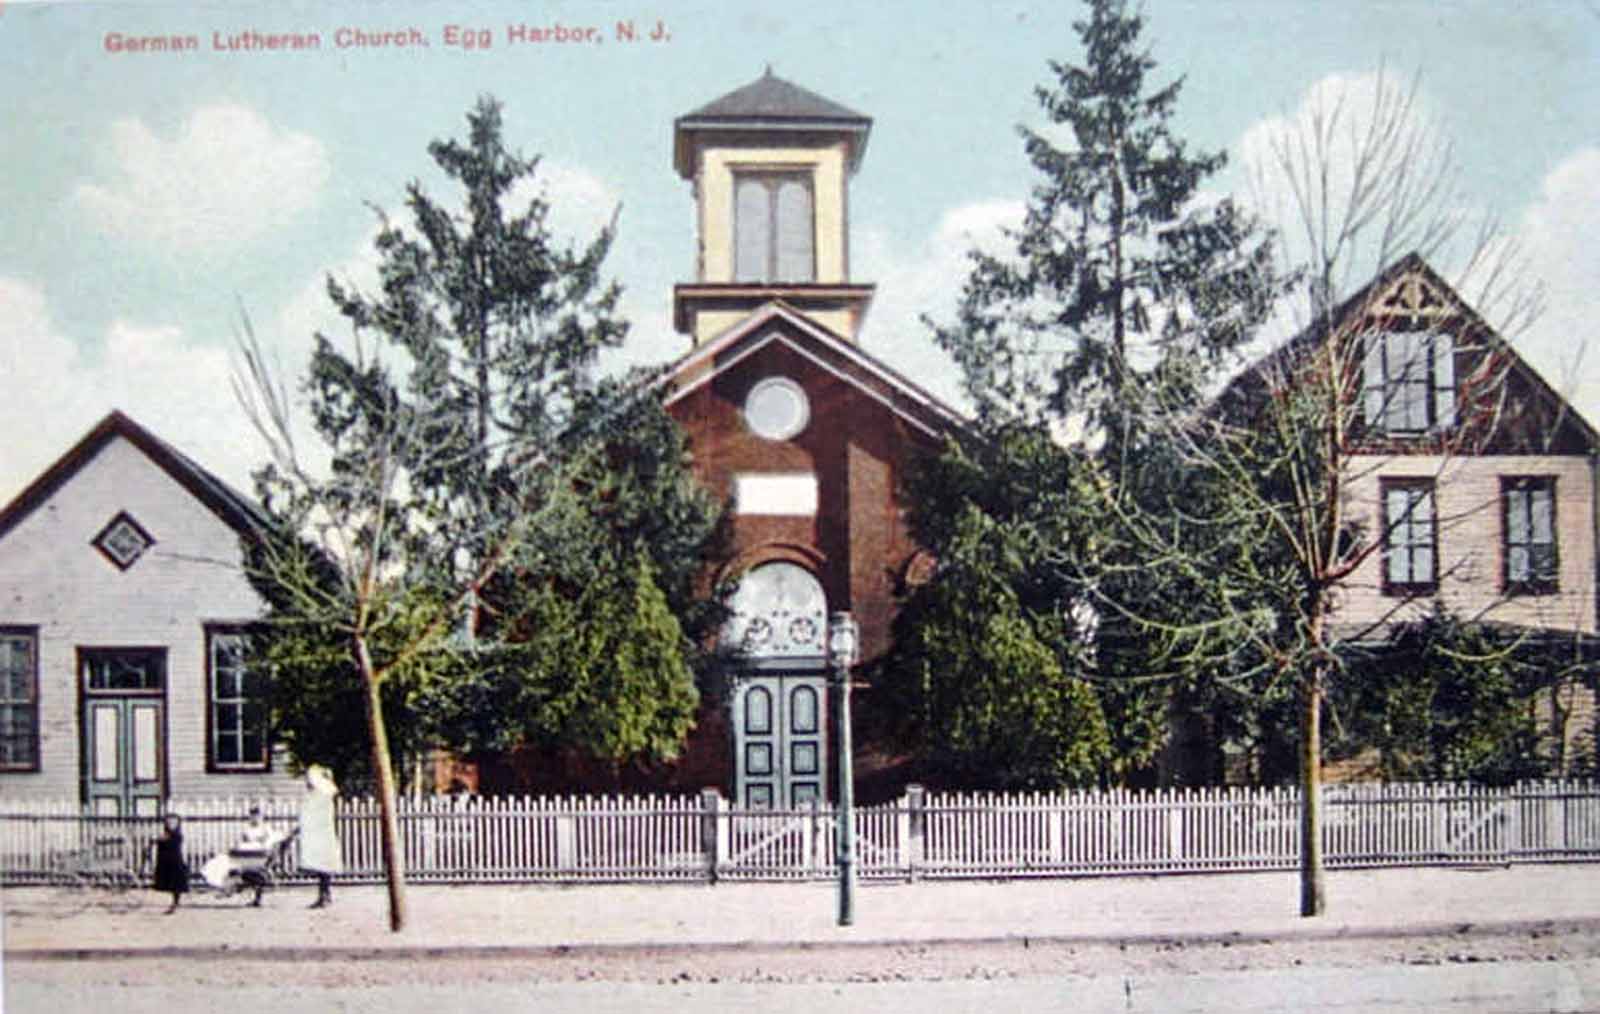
[1122, 286]
[1018, 719]
[1449, 700]
[505, 547]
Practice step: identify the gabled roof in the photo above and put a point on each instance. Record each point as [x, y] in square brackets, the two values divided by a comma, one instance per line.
[1365, 300]
[778, 323]
[769, 103]
[236, 510]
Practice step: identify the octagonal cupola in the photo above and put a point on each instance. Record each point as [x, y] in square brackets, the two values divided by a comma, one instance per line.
[770, 164]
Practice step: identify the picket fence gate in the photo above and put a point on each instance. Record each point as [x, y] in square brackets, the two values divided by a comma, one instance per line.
[690, 838]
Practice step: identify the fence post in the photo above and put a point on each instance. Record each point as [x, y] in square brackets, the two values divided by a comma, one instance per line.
[713, 839]
[913, 819]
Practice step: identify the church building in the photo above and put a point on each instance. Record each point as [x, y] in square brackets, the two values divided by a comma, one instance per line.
[790, 419]
[800, 429]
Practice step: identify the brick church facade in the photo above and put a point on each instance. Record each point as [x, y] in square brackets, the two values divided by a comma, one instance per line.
[795, 425]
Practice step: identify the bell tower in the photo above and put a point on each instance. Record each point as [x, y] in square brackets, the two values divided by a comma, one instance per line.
[770, 164]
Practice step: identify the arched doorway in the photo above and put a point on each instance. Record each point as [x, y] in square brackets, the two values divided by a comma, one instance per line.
[780, 700]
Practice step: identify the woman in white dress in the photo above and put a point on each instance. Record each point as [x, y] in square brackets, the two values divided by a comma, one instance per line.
[319, 843]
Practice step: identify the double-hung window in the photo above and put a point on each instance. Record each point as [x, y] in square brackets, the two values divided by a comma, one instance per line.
[1529, 535]
[774, 227]
[1410, 537]
[238, 704]
[19, 699]
[1409, 381]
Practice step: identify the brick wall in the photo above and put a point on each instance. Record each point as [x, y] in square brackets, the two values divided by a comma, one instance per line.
[857, 448]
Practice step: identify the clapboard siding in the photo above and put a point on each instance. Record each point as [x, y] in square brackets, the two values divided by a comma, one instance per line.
[54, 579]
[1470, 537]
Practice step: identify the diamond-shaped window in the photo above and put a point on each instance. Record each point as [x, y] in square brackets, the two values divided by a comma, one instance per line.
[123, 540]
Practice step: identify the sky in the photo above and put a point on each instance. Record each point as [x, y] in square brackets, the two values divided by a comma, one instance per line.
[150, 200]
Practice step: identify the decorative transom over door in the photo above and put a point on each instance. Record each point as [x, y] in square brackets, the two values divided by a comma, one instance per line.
[124, 730]
[780, 701]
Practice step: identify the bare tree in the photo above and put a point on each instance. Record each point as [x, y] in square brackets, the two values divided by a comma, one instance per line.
[352, 560]
[1280, 530]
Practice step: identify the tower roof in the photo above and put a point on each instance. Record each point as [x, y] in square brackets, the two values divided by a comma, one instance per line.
[769, 103]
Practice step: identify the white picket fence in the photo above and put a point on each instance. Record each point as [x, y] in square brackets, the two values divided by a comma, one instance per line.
[665, 838]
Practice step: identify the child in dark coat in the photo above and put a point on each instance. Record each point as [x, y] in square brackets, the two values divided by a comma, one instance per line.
[172, 874]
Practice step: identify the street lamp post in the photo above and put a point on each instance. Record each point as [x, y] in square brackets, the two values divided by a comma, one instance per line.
[843, 636]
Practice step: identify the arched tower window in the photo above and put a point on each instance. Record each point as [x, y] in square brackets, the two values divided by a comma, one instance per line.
[774, 227]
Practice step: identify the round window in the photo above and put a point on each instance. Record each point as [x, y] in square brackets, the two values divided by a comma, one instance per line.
[776, 409]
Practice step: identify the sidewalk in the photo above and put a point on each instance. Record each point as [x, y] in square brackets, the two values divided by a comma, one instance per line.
[514, 919]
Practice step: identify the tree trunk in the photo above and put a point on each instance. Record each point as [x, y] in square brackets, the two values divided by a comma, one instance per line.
[1313, 885]
[394, 869]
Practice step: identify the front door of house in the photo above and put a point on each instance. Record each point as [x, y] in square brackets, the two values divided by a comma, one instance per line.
[124, 691]
[781, 740]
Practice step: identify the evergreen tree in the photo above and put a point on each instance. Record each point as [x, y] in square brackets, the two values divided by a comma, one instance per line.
[505, 547]
[1124, 295]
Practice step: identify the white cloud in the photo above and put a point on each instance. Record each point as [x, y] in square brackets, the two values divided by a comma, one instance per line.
[581, 203]
[1367, 132]
[1550, 247]
[1556, 235]
[926, 281]
[174, 386]
[226, 177]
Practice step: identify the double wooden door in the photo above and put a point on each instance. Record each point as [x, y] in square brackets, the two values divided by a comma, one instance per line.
[780, 740]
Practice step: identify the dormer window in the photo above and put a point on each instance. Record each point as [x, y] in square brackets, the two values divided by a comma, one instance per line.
[774, 227]
[1409, 381]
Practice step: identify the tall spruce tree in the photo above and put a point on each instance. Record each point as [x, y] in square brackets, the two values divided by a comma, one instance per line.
[1122, 290]
[505, 547]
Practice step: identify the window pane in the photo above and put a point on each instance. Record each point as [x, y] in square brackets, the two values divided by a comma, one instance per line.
[1543, 563]
[758, 710]
[752, 222]
[795, 228]
[803, 704]
[1517, 563]
[1421, 508]
[146, 754]
[1399, 567]
[1542, 519]
[107, 724]
[1372, 380]
[1517, 517]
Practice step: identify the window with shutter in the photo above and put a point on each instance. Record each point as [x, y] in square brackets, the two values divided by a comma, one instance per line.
[1408, 381]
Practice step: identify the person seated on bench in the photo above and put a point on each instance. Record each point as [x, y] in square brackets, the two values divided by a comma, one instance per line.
[249, 854]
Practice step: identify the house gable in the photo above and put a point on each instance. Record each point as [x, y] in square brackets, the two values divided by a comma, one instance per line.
[125, 548]
[229, 506]
[1502, 404]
